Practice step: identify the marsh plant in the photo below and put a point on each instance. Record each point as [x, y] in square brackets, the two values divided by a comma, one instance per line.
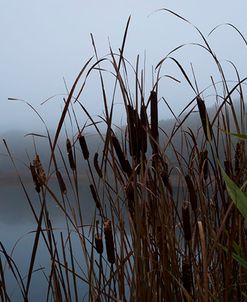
[164, 226]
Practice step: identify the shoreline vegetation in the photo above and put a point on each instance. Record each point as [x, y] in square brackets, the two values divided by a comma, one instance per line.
[167, 222]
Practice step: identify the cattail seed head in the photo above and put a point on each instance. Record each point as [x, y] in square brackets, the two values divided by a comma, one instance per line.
[70, 155]
[132, 130]
[239, 156]
[154, 117]
[125, 165]
[130, 198]
[143, 129]
[186, 221]
[41, 177]
[203, 163]
[109, 241]
[207, 127]
[84, 147]
[96, 165]
[95, 197]
[192, 192]
[35, 178]
[61, 183]
[98, 244]
[228, 168]
[165, 177]
[187, 275]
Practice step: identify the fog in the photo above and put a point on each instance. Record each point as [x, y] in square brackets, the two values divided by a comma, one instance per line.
[44, 44]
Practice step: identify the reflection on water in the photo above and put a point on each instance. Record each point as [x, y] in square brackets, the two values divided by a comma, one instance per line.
[17, 233]
[20, 252]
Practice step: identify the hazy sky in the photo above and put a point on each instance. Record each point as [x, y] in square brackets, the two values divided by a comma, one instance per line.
[43, 42]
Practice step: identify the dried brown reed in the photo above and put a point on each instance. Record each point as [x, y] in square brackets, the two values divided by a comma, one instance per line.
[155, 250]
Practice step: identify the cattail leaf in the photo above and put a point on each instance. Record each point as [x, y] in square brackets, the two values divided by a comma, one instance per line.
[238, 135]
[236, 256]
[238, 197]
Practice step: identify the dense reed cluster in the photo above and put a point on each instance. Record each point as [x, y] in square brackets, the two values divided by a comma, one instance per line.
[163, 225]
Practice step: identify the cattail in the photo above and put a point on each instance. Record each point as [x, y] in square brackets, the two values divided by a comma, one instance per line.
[203, 163]
[192, 192]
[35, 178]
[98, 244]
[41, 177]
[143, 129]
[70, 155]
[109, 241]
[130, 198]
[154, 117]
[133, 140]
[238, 156]
[207, 127]
[98, 240]
[96, 165]
[165, 177]
[186, 221]
[125, 165]
[95, 197]
[61, 182]
[84, 147]
[237, 159]
[187, 275]
[228, 167]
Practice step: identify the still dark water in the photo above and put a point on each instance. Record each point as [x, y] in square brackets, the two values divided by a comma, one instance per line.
[17, 233]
